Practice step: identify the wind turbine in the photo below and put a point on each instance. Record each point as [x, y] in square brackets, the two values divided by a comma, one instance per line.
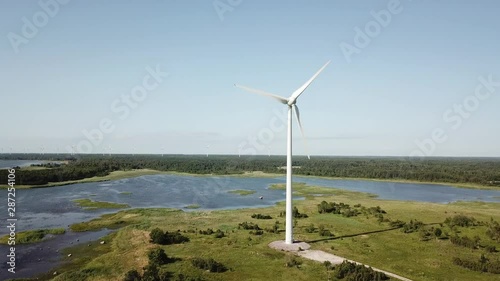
[291, 103]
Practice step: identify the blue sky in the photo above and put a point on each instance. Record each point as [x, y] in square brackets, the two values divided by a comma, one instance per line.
[411, 90]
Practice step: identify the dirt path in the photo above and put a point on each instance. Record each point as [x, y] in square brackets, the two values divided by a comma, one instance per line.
[302, 249]
[323, 256]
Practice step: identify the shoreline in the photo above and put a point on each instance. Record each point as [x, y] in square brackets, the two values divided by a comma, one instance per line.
[118, 175]
[360, 230]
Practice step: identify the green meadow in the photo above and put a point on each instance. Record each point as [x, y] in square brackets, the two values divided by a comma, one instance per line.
[365, 237]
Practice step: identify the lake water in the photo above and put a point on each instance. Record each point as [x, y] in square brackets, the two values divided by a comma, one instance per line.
[54, 207]
[6, 164]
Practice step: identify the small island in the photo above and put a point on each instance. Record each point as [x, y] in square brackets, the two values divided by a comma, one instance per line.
[192, 206]
[32, 236]
[93, 205]
[242, 192]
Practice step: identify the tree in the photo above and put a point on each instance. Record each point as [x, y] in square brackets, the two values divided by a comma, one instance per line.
[157, 236]
[151, 273]
[438, 232]
[158, 257]
[132, 275]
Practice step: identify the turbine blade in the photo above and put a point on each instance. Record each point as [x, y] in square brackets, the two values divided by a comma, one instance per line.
[297, 114]
[300, 90]
[259, 92]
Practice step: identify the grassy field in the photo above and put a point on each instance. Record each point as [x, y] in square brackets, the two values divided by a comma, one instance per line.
[92, 205]
[32, 236]
[362, 238]
[242, 192]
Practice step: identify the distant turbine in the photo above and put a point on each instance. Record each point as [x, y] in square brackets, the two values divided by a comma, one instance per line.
[208, 147]
[268, 151]
[162, 150]
[291, 103]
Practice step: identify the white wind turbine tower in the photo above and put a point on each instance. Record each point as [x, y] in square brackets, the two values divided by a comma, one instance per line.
[291, 103]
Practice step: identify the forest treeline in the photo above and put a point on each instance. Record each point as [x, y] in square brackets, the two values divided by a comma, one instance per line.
[485, 171]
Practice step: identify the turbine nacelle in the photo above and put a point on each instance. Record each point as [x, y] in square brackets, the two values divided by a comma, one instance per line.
[292, 100]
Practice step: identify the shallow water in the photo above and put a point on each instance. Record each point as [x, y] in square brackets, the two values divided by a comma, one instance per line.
[54, 207]
[33, 259]
[6, 164]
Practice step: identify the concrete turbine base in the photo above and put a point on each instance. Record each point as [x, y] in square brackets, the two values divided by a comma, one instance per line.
[294, 247]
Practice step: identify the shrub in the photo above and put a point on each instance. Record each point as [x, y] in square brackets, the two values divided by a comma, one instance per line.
[208, 264]
[158, 257]
[297, 214]
[151, 273]
[275, 228]
[292, 261]
[132, 275]
[460, 220]
[482, 265]
[324, 232]
[219, 233]
[412, 226]
[425, 234]
[256, 232]
[491, 249]
[397, 223]
[209, 231]
[465, 241]
[438, 232]
[310, 228]
[493, 230]
[352, 271]
[248, 225]
[261, 217]
[157, 236]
